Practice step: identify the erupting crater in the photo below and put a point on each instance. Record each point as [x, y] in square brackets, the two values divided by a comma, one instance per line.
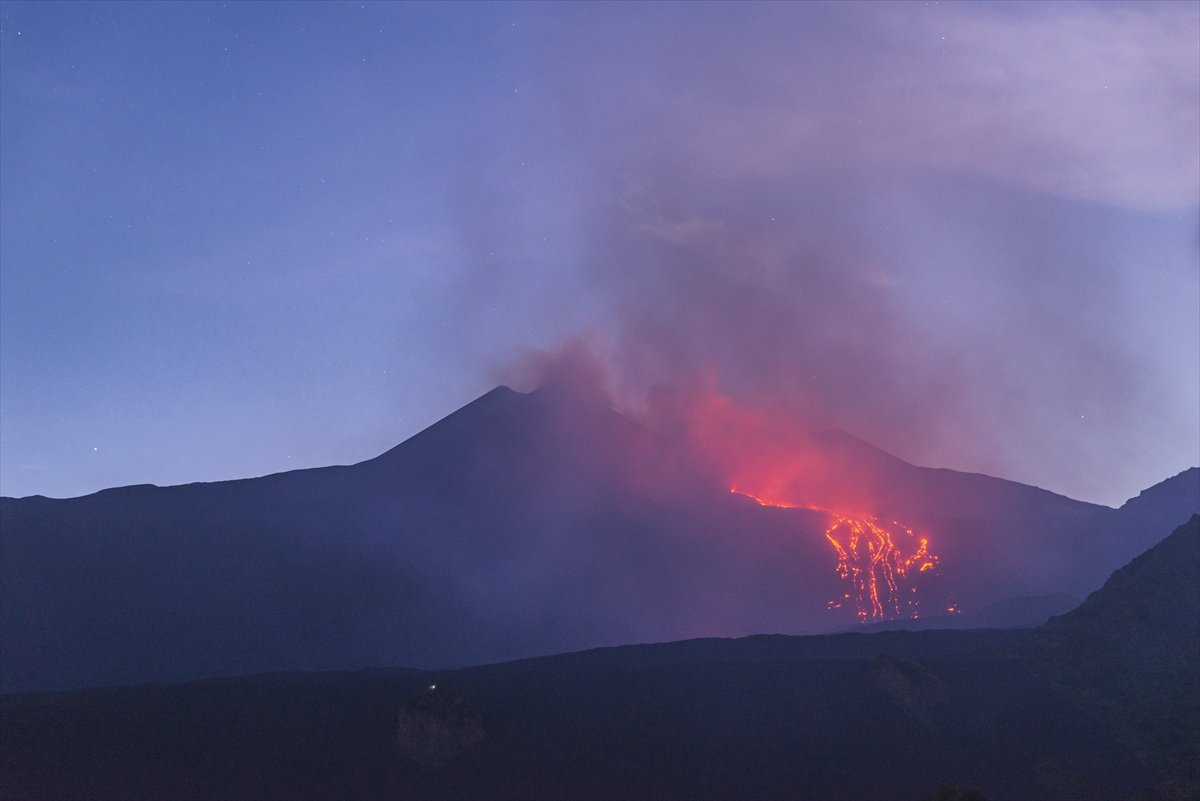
[876, 560]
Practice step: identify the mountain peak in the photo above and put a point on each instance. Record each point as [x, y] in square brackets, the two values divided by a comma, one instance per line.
[473, 419]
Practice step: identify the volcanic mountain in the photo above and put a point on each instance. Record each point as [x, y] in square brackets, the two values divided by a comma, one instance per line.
[522, 524]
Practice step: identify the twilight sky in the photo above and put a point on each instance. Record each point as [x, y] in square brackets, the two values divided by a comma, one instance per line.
[239, 238]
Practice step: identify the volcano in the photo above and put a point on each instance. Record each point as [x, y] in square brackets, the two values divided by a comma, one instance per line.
[522, 524]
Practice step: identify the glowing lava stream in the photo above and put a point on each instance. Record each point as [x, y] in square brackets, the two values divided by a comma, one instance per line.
[880, 576]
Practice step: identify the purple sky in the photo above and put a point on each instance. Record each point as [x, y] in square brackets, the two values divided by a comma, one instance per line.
[241, 238]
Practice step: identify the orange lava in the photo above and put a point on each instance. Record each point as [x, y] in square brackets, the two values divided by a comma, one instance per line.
[871, 561]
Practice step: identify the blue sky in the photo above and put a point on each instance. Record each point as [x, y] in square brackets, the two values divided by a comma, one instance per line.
[240, 238]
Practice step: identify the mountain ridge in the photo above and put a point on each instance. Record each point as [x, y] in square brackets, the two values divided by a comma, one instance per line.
[520, 524]
[493, 400]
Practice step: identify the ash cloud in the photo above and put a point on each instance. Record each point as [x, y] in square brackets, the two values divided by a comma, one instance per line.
[964, 234]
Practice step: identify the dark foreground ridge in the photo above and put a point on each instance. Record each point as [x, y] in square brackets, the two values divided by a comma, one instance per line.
[1130, 656]
[1049, 713]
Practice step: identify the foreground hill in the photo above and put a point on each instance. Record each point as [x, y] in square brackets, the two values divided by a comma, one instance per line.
[1012, 714]
[890, 718]
[1130, 655]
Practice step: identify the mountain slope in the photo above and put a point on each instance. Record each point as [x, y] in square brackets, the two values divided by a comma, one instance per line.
[1148, 610]
[1074, 710]
[1130, 655]
[509, 528]
[928, 494]
[779, 717]
[521, 524]
[1159, 508]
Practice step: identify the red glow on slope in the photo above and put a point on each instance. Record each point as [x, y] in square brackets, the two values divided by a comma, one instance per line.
[764, 451]
[870, 560]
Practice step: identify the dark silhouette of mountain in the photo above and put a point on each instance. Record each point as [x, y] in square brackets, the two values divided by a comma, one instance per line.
[1068, 711]
[1130, 656]
[1161, 507]
[513, 527]
[522, 524]
[1170, 498]
[925, 494]
[892, 715]
[1148, 612]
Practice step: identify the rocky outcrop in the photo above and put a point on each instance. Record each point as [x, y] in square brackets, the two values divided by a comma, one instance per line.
[436, 727]
[910, 686]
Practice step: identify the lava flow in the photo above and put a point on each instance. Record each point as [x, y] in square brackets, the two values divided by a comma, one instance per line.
[881, 578]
